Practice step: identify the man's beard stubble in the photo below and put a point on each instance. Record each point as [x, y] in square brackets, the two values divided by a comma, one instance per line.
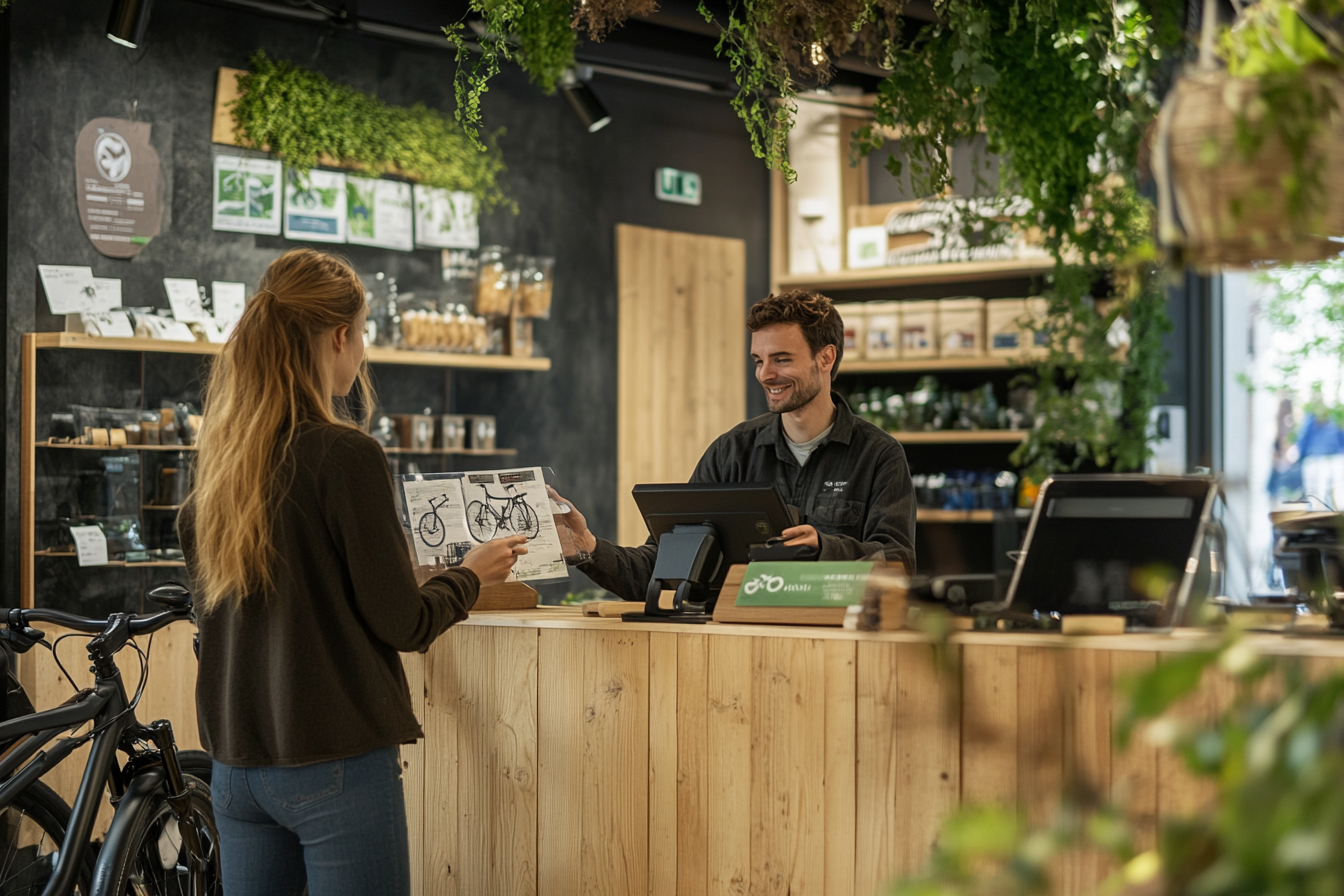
[803, 392]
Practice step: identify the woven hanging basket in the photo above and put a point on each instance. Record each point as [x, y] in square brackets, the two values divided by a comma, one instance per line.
[1224, 209]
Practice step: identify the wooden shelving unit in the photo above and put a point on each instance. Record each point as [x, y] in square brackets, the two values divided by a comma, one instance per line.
[33, 342]
[961, 437]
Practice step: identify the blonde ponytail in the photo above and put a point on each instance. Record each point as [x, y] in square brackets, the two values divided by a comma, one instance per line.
[265, 383]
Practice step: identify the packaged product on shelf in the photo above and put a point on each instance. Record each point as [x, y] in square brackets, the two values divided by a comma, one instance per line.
[452, 432]
[882, 339]
[451, 331]
[496, 281]
[961, 327]
[481, 432]
[1005, 334]
[521, 344]
[415, 431]
[384, 325]
[1037, 313]
[853, 319]
[536, 281]
[919, 329]
[459, 276]
[385, 433]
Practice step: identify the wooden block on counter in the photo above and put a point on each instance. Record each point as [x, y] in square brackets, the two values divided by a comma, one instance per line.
[507, 596]
[727, 610]
[609, 608]
[1092, 625]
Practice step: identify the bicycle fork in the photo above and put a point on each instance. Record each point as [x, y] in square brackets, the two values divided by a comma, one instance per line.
[179, 797]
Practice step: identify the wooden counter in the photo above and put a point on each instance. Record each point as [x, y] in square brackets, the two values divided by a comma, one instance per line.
[573, 755]
[569, 754]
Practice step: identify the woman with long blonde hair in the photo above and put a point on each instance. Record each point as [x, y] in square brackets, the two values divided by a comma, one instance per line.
[305, 594]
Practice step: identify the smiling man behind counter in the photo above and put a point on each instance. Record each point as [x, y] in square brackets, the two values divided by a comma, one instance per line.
[848, 479]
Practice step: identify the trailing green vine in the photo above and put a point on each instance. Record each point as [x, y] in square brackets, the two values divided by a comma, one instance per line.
[772, 45]
[1063, 90]
[305, 118]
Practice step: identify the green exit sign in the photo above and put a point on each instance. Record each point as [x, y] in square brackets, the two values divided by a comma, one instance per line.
[671, 185]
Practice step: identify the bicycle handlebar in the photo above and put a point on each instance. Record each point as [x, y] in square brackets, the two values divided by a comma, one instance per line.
[140, 625]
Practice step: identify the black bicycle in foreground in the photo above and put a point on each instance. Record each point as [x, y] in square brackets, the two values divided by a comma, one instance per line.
[162, 840]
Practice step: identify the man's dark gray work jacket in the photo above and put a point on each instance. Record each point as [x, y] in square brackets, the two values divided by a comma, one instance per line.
[855, 490]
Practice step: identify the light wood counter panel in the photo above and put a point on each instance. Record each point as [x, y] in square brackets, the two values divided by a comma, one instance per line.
[570, 754]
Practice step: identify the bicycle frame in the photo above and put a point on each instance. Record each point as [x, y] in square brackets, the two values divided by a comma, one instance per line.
[108, 706]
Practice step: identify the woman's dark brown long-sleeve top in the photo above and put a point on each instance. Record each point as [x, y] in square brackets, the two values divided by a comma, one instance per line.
[310, 672]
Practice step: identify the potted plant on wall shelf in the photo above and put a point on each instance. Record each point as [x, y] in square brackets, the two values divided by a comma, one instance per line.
[1249, 157]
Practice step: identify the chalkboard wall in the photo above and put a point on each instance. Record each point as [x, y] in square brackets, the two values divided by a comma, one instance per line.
[572, 189]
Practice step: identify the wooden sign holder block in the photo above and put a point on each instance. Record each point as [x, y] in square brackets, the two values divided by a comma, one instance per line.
[727, 610]
[506, 596]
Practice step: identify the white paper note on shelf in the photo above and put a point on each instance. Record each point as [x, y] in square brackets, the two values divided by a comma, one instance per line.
[379, 213]
[184, 296]
[90, 545]
[229, 300]
[107, 290]
[115, 324]
[445, 219]
[315, 206]
[70, 289]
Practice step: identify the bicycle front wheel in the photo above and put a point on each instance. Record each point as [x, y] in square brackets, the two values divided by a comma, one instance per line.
[34, 827]
[482, 522]
[156, 862]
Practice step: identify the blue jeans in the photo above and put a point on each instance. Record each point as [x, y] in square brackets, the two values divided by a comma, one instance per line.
[339, 827]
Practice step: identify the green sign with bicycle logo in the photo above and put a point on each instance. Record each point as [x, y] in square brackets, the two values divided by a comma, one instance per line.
[825, 583]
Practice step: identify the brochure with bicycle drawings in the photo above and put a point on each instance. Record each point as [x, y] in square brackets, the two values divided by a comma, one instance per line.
[448, 514]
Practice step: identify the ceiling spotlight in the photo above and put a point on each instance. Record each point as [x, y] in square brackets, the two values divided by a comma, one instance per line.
[128, 21]
[585, 103]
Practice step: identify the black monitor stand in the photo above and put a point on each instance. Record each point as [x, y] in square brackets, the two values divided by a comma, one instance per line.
[688, 561]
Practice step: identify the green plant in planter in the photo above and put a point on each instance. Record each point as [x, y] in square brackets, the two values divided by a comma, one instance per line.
[1272, 44]
[303, 117]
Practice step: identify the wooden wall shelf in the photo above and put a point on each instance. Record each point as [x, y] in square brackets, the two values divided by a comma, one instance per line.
[915, 275]
[71, 447]
[961, 436]
[922, 365]
[464, 452]
[931, 515]
[71, 555]
[375, 354]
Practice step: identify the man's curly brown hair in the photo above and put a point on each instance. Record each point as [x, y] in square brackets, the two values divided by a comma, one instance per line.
[811, 311]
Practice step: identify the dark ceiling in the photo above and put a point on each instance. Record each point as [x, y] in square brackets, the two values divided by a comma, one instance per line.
[674, 42]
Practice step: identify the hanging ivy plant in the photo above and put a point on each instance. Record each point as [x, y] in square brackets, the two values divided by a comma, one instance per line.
[772, 45]
[304, 117]
[538, 35]
[1063, 90]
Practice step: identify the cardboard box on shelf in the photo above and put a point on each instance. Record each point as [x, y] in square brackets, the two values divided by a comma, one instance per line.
[883, 332]
[1005, 335]
[919, 329]
[854, 319]
[1037, 336]
[961, 327]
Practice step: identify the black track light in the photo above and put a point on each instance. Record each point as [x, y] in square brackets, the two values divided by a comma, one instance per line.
[584, 102]
[128, 21]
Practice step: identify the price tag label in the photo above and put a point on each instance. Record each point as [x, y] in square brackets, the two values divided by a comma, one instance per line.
[70, 289]
[90, 545]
